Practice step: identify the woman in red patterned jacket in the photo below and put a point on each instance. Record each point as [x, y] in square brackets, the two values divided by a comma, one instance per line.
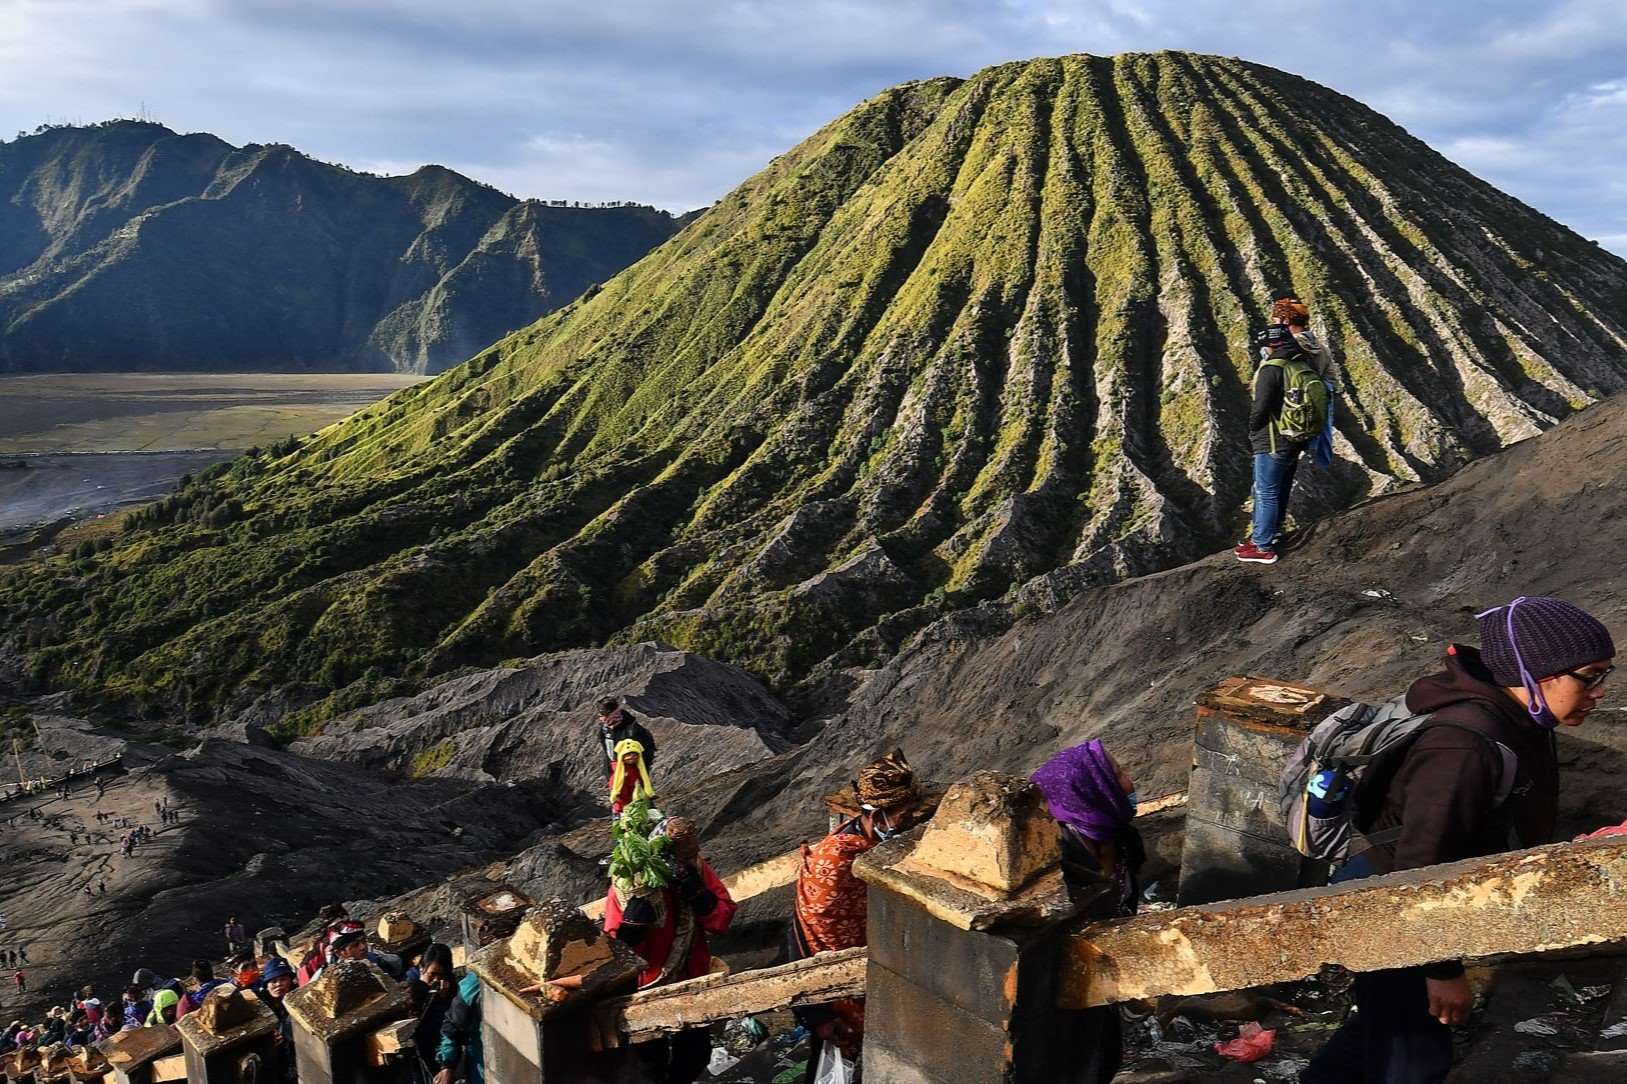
[830, 901]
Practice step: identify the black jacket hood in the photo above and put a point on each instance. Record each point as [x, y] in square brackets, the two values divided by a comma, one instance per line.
[1465, 679]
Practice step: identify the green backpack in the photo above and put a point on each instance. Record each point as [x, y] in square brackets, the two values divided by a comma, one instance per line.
[1304, 411]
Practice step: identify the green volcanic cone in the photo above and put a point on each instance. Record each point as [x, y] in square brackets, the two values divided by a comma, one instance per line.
[971, 334]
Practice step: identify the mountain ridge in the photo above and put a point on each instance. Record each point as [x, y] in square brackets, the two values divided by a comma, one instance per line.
[974, 339]
[131, 246]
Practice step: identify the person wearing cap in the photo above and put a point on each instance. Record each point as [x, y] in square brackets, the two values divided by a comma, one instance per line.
[149, 981]
[1542, 664]
[56, 1027]
[348, 941]
[276, 980]
[616, 725]
[1275, 457]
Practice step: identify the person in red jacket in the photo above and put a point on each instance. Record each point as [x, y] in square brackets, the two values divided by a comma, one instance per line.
[668, 929]
[1542, 664]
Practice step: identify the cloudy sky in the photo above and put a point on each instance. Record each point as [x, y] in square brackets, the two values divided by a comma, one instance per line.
[673, 102]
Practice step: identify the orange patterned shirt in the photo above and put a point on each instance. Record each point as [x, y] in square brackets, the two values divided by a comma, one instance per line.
[830, 900]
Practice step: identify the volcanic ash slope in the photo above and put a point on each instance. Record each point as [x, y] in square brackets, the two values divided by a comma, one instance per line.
[970, 334]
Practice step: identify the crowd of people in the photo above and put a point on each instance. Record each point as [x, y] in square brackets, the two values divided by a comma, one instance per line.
[1478, 777]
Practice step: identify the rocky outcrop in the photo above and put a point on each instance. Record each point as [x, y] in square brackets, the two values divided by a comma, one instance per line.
[537, 720]
[973, 336]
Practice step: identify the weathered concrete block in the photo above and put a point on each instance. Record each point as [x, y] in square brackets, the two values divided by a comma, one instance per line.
[131, 1053]
[532, 1031]
[399, 934]
[993, 831]
[941, 1041]
[1236, 844]
[268, 940]
[975, 971]
[960, 981]
[332, 1017]
[491, 914]
[230, 1026]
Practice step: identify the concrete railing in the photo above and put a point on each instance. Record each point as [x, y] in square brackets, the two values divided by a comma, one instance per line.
[11, 791]
[1567, 895]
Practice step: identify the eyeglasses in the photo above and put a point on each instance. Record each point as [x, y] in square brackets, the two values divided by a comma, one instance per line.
[1591, 681]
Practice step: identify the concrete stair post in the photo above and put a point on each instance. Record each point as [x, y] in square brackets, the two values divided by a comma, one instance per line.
[489, 915]
[966, 924]
[270, 941]
[230, 1039]
[55, 1065]
[18, 1066]
[333, 1018]
[131, 1054]
[1236, 844]
[534, 1033]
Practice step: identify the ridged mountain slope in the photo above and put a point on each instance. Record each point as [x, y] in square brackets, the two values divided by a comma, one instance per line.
[972, 335]
[127, 246]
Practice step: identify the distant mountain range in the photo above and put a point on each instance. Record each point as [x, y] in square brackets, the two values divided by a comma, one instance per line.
[127, 246]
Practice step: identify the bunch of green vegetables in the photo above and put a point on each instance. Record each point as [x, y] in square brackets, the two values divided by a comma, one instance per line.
[639, 859]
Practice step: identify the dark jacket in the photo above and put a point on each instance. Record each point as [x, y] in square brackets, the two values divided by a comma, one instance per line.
[1268, 403]
[624, 725]
[1080, 868]
[1443, 791]
[460, 1032]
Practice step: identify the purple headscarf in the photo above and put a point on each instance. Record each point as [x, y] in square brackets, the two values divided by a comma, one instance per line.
[1082, 790]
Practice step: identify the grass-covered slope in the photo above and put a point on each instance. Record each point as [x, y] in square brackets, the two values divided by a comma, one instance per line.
[970, 334]
[127, 246]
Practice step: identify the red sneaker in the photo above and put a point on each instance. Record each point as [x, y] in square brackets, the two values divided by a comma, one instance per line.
[1259, 555]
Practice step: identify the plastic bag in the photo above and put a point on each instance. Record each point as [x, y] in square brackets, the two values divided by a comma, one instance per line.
[1252, 1043]
[834, 1066]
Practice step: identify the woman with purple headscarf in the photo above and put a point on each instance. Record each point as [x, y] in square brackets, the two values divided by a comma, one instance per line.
[1094, 801]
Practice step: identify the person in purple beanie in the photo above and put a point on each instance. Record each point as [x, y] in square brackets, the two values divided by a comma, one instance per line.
[1542, 664]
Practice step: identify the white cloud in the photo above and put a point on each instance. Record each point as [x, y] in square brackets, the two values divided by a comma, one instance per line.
[676, 101]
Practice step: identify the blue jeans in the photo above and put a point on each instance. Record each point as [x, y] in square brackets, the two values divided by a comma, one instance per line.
[1273, 480]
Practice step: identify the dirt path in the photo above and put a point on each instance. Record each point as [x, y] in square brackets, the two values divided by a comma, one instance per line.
[51, 860]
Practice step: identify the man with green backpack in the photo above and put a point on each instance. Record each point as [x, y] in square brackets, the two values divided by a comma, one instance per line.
[1290, 411]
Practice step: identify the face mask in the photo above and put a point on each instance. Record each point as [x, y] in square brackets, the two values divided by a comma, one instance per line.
[882, 834]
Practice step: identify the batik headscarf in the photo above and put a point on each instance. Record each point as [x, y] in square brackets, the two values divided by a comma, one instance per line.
[889, 783]
[1082, 790]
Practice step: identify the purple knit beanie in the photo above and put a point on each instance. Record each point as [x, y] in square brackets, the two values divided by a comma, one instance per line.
[1534, 638]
